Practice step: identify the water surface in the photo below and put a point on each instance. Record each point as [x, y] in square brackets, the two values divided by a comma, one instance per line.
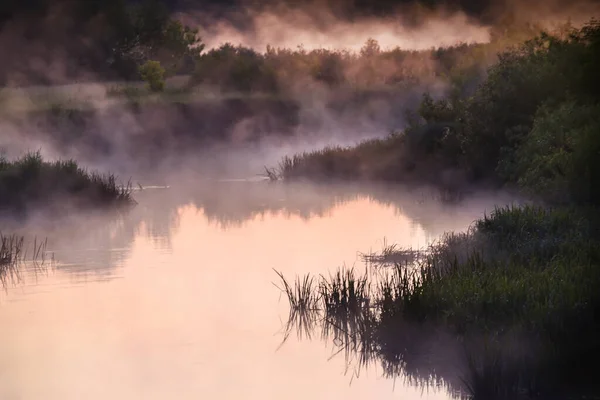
[176, 298]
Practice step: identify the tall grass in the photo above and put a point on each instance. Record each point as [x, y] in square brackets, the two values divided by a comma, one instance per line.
[13, 253]
[31, 181]
[302, 294]
[391, 159]
[370, 159]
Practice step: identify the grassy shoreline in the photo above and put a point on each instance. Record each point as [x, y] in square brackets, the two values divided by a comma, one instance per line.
[61, 186]
[388, 159]
[519, 275]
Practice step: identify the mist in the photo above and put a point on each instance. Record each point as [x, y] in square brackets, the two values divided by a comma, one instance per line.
[297, 29]
[215, 134]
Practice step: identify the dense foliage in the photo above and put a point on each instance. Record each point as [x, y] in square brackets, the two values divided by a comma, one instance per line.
[154, 75]
[109, 39]
[531, 122]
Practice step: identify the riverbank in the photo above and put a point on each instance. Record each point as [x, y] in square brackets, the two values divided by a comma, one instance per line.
[60, 186]
[530, 124]
[522, 281]
[521, 278]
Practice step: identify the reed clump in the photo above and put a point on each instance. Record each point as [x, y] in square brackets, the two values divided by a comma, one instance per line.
[30, 181]
[13, 255]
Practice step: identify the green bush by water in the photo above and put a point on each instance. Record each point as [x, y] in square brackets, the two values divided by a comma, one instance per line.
[31, 181]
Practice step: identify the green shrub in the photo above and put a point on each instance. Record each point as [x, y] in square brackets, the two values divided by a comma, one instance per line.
[235, 68]
[560, 158]
[547, 70]
[154, 75]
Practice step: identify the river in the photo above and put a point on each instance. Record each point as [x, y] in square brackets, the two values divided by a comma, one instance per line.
[175, 298]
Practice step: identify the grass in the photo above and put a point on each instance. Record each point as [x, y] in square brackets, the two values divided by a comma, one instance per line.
[519, 274]
[301, 294]
[368, 160]
[395, 158]
[392, 254]
[13, 254]
[30, 181]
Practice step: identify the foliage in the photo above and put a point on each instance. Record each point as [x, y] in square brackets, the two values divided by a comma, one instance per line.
[231, 67]
[154, 75]
[145, 31]
[235, 68]
[110, 38]
[532, 122]
[546, 70]
[560, 158]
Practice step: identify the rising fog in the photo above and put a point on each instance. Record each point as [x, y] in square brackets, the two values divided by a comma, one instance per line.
[151, 140]
[293, 29]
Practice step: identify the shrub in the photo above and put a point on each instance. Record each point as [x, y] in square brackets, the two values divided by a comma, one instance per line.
[235, 68]
[560, 158]
[154, 75]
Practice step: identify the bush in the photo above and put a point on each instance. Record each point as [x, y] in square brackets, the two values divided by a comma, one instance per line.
[154, 75]
[547, 70]
[560, 158]
[235, 68]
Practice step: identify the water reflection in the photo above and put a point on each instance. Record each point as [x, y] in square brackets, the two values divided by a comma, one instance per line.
[419, 355]
[175, 299]
[93, 244]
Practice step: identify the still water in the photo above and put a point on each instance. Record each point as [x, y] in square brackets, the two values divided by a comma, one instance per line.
[175, 299]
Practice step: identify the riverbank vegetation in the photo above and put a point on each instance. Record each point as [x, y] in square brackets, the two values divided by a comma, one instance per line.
[531, 123]
[517, 292]
[519, 278]
[145, 42]
[60, 185]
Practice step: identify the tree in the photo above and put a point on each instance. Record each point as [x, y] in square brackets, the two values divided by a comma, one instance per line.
[154, 75]
[371, 48]
[147, 32]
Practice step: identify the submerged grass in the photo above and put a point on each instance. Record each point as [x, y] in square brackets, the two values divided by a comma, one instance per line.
[302, 294]
[526, 270]
[13, 254]
[31, 181]
[392, 254]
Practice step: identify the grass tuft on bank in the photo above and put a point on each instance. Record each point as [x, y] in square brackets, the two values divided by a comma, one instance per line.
[30, 181]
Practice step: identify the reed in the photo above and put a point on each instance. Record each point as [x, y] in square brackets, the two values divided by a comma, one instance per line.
[31, 181]
[13, 255]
